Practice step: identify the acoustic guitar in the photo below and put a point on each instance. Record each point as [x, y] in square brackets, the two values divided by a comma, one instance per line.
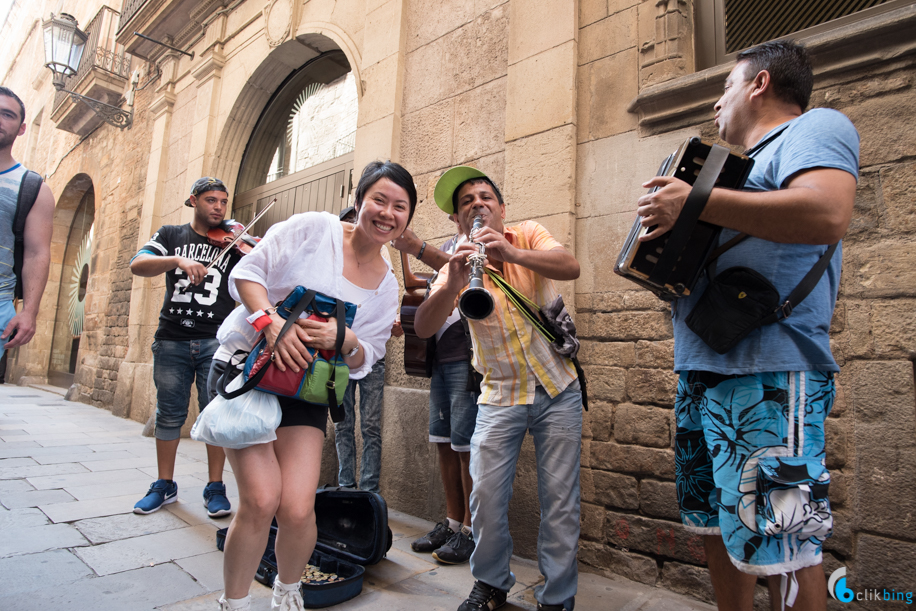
[418, 353]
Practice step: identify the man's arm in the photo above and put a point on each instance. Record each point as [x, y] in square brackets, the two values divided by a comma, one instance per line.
[411, 244]
[555, 264]
[433, 312]
[35, 264]
[815, 207]
[152, 265]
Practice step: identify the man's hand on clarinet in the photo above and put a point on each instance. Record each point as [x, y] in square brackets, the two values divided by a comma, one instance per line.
[661, 208]
[459, 268]
[498, 247]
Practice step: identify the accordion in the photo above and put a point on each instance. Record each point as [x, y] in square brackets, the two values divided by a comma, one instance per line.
[671, 264]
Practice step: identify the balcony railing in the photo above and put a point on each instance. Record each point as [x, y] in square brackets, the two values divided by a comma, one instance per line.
[101, 52]
[130, 8]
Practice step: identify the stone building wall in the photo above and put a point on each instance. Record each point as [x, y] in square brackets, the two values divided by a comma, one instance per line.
[453, 112]
[637, 101]
[569, 106]
[110, 161]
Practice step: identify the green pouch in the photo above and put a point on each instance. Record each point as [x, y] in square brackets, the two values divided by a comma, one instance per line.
[315, 387]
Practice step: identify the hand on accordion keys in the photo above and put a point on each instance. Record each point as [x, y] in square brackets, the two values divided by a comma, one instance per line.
[661, 207]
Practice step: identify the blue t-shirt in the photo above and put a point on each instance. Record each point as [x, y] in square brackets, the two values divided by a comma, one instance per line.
[820, 138]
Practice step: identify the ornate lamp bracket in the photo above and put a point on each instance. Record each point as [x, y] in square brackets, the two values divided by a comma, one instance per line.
[109, 114]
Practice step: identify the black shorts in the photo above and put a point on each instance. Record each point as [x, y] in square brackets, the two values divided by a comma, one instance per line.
[295, 412]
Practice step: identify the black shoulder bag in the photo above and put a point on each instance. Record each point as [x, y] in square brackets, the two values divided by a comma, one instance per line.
[28, 193]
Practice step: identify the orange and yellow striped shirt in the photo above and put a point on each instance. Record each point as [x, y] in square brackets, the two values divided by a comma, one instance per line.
[510, 354]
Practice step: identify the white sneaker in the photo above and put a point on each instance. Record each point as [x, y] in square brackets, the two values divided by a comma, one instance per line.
[224, 604]
[286, 600]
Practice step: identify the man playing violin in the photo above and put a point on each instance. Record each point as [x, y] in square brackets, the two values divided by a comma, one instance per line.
[196, 302]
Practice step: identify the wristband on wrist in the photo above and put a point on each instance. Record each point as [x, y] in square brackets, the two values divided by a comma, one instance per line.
[261, 319]
[422, 250]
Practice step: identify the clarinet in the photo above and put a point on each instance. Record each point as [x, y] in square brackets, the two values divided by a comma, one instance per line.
[476, 302]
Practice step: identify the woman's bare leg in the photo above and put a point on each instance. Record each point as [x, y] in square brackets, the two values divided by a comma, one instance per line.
[298, 450]
[257, 473]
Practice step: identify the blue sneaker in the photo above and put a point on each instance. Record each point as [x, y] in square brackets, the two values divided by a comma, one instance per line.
[215, 500]
[160, 493]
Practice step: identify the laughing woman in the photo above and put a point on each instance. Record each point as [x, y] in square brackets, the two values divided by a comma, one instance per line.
[341, 260]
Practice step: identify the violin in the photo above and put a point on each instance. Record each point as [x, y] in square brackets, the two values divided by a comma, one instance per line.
[230, 235]
[226, 233]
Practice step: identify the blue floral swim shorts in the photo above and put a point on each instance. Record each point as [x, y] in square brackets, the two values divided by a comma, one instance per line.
[750, 465]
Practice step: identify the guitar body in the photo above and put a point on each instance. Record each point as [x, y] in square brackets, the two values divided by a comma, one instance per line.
[418, 353]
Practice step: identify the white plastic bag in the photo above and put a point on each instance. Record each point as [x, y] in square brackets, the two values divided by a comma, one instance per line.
[237, 423]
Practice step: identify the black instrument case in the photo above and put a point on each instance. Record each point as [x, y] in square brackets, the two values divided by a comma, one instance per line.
[353, 533]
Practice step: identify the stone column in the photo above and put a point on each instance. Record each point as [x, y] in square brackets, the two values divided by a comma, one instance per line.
[540, 181]
[378, 127]
[208, 79]
[135, 395]
[665, 40]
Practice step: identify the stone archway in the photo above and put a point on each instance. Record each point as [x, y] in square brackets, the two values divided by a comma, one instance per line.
[71, 248]
[313, 41]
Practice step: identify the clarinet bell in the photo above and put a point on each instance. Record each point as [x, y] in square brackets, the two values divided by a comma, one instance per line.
[476, 303]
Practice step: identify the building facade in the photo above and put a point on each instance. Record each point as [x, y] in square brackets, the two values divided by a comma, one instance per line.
[569, 105]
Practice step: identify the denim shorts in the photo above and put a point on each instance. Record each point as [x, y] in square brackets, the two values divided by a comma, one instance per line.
[177, 365]
[7, 313]
[452, 407]
[750, 465]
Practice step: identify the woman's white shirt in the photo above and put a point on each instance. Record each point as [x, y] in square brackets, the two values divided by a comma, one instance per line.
[307, 250]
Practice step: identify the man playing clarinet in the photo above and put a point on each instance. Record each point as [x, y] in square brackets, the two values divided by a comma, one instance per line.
[527, 387]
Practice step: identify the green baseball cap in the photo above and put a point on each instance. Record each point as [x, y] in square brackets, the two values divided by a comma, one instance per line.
[450, 181]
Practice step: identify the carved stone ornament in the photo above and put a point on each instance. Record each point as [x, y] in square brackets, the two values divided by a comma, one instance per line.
[278, 21]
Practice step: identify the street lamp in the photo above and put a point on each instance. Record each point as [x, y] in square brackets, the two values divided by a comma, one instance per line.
[64, 45]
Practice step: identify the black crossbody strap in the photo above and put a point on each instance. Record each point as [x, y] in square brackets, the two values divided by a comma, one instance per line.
[711, 260]
[690, 214]
[254, 380]
[714, 255]
[336, 411]
[28, 193]
[804, 287]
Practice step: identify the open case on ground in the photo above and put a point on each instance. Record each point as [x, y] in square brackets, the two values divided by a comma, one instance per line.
[352, 533]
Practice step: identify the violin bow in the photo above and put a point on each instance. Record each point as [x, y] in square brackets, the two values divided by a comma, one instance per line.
[241, 234]
[227, 248]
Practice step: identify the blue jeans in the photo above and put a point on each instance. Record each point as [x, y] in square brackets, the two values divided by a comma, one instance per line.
[7, 313]
[176, 365]
[452, 407]
[371, 395]
[556, 425]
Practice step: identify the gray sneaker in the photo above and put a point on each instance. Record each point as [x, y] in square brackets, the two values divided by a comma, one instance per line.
[457, 550]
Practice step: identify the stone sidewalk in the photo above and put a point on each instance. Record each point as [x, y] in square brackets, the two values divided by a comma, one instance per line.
[71, 473]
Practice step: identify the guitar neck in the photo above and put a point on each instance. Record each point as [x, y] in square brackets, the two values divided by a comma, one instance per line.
[413, 281]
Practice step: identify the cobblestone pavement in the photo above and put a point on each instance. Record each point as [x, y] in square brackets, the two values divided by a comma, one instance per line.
[71, 473]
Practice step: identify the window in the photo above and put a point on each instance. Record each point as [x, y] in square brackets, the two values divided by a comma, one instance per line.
[725, 27]
[311, 119]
